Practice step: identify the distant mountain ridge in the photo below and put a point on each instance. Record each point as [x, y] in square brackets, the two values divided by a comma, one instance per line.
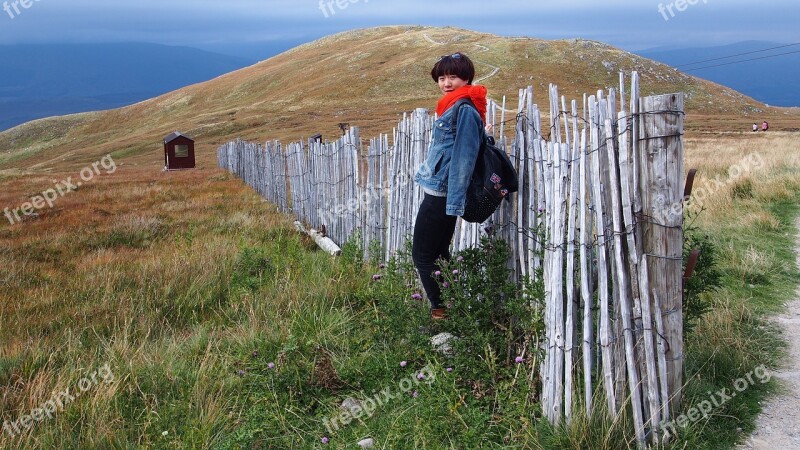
[44, 80]
[772, 80]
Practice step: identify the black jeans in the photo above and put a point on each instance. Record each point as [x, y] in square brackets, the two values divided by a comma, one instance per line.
[433, 231]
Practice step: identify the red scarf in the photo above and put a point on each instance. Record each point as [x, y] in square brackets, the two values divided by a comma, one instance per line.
[475, 93]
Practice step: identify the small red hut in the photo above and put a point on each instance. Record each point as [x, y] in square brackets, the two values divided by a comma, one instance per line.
[178, 152]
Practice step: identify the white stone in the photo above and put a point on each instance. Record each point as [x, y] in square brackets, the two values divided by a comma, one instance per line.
[366, 443]
[352, 405]
[442, 343]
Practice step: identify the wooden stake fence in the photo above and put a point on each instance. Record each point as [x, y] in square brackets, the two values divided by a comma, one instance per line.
[589, 214]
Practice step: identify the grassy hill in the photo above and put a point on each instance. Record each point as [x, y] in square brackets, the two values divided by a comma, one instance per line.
[365, 77]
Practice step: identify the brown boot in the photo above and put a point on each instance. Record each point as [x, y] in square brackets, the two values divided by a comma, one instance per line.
[438, 313]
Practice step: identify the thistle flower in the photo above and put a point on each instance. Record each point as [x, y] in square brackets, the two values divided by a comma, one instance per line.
[519, 360]
[415, 394]
[420, 376]
[240, 372]
[271, 365]
[438, 273]
[446, 284]
[449, 369]
[376, 277]
[460, 259]
[416, 296]
[403, 363]
[255, 353]
[455, 271]
[325, 440]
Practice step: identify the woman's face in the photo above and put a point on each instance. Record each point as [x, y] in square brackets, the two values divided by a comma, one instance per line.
[449, 83]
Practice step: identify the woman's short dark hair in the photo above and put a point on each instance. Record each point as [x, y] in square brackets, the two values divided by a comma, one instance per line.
[457, 64]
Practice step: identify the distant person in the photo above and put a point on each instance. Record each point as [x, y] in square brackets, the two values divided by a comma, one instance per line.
[764, 126]
[755, 127]
[446, 172]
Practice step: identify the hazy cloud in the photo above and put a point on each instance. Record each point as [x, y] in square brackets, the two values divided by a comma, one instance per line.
[631, 24]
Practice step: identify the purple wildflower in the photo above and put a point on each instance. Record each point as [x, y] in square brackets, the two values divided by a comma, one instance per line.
[382, 266]
[415, 394]
[376, 277]
[255, 353]
[449, 369]
[455, 271]
[416, 296]
[446, 284]
[438, 273]
[420, 376]
[271, 365]
[519, 360]
[460, 259]
[240, 372]
[403, 363]
[325, 439]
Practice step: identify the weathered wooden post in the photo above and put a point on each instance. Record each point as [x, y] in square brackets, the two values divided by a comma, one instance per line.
[660, 170]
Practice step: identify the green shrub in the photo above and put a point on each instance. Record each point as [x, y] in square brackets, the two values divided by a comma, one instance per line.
[495, 320]
[706, 277]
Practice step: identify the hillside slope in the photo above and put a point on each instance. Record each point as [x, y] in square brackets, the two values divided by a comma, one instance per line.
[364, 77]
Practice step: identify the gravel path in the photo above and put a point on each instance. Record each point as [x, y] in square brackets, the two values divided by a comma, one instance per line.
[778, 426]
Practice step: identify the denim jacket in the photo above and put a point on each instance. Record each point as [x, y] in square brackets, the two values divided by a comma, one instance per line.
[451, 157]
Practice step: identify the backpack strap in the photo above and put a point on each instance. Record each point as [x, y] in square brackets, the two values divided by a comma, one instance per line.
[461, 102]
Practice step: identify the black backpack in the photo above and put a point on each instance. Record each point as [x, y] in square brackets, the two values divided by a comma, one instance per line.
[493, 178]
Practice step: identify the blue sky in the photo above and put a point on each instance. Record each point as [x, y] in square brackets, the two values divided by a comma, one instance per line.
[629, 24]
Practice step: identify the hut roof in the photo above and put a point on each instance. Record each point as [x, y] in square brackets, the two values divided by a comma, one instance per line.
[172, 136]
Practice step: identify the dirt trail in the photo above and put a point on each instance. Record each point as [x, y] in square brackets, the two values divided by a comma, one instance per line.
[778, 426]
[482, 48]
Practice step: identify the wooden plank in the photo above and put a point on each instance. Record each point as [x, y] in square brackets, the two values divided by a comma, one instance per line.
[572, 300]
[602, 266]
[661, 154]
[661, 347]
[653, 394]
[624, 295]
[586, 278]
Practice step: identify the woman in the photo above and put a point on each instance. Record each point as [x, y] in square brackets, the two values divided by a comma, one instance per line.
[446, 172]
